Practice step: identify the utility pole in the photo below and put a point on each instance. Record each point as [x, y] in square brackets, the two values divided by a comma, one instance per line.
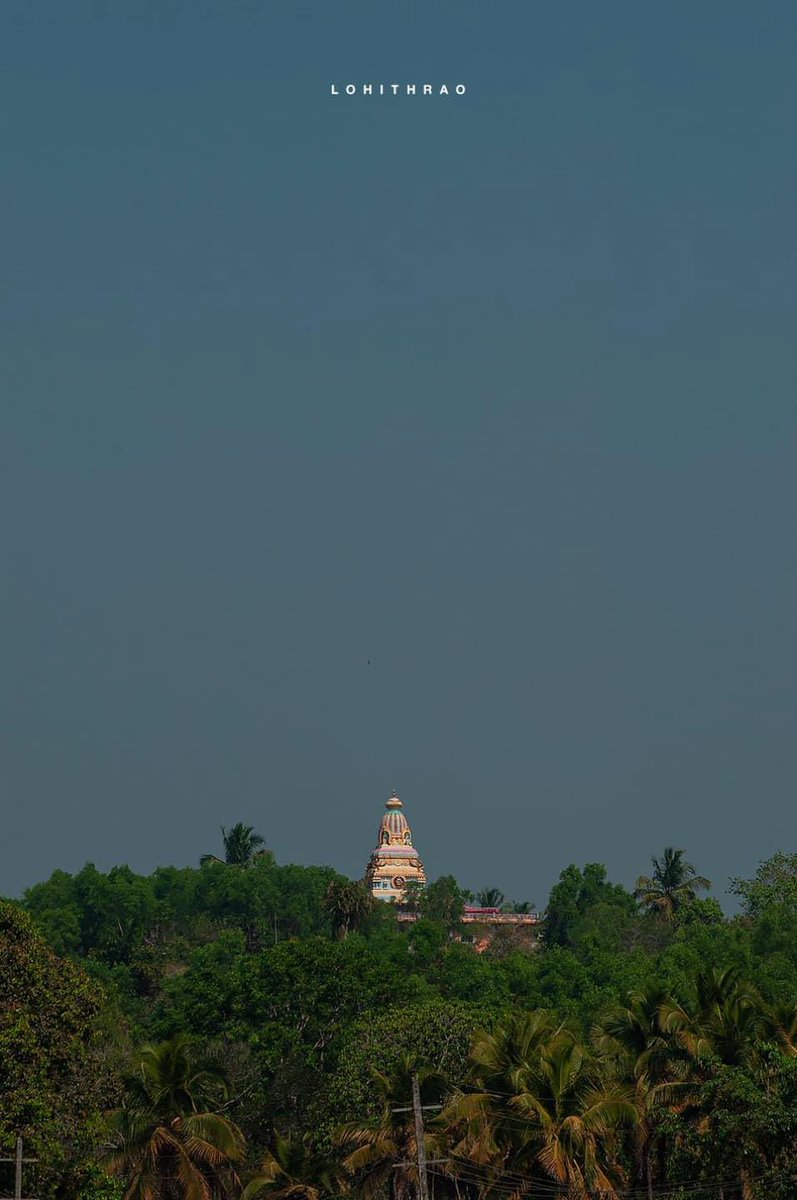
[18, 1160]
[423, 1180]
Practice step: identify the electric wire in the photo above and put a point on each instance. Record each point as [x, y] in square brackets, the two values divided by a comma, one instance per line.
[530, 1186]
[683, 1188]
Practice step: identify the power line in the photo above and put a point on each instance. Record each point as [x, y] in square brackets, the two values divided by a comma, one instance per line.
[516, 1181]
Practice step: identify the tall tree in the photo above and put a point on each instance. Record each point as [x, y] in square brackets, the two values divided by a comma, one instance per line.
[167, 1140]
[52, 1079]
[575, 895]
[539, 1113]
[242, 846]
[577, 1115]
[724, 1019]
[438, 1032]
[382, 1153]
[640, 1050]
[774, 886]
[444, 901]
[349, 903]
[490, 897]
[673, 885]
[736, 1112]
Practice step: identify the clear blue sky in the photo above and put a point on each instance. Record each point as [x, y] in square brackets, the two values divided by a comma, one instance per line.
[496, 392]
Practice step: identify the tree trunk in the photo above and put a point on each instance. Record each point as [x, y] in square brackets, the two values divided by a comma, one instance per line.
[649, 1172]
[662, 1157]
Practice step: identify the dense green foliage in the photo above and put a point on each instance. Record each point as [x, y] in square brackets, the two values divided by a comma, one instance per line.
[165, 1138]
[53, 1079]
[628, 1050]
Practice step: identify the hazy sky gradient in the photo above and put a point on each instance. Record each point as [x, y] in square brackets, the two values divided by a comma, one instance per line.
[497, 392]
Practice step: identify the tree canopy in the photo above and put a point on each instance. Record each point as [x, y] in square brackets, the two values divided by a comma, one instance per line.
[53, 1079]
[243, 1025]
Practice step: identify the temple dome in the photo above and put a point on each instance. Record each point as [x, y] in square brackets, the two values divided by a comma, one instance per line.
[393, 828]
[395, 860]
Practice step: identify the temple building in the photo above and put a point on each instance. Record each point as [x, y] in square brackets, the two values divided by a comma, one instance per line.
[395, 861]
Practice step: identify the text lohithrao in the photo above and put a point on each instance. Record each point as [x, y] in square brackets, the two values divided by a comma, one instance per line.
[397, 89]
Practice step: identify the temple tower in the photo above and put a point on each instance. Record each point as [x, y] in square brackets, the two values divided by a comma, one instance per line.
[395, 860]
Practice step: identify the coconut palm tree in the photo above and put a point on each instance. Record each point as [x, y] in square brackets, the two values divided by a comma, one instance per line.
[242, 847]
[539, 1113]
[779, 1024]
[166, 1141]
[724, 1021]
[483, 1129]
[673, 884]
[723, 1026]
[490, 897]
[294, 1170]
[640, 1050]
[578, 1115]
[382, 1154]
[349, 903]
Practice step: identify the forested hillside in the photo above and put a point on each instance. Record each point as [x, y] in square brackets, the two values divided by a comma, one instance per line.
[197, 1030]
